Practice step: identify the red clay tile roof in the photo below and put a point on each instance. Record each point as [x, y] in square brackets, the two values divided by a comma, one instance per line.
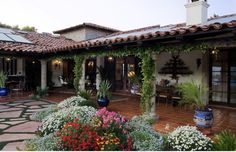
[41, 42]
[45, 43]
[218, 23]
[95, 26]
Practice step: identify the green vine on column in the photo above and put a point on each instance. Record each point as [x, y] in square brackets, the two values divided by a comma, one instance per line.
[78, 71]
[148, 71]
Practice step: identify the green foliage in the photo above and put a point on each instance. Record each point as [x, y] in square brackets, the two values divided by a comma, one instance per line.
[86, 94]
[70, 102]
[40, 115]
[3, 78]
[46, 143]
[78, 71]
[193, 94]
[148, 69]
[144, 119]
[88, 103]
[146, 140]
[40, 93]
[16, 27]
[225, 141]
[29, 28]
[144, 137]
[104, 89]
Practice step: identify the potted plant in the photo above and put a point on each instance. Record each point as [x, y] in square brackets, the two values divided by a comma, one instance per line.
[103, 93]
[3, 89]
[134, 82]
[193, 95]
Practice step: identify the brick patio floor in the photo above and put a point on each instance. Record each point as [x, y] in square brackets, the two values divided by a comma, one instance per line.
[170, 117]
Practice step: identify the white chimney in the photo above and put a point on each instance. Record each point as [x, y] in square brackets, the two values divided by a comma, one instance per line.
[196, 12]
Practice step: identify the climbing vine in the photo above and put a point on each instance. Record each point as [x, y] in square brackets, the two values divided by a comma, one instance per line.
[147, 64]
[78, 71]
[148, 71]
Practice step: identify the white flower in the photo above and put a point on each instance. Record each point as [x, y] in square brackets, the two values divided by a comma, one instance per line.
[188, 138]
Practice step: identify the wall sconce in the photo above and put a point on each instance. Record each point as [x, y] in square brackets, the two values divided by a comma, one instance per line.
[199, 62]
[8, 59]
[57, 63]
[110, 58]
[90, 64]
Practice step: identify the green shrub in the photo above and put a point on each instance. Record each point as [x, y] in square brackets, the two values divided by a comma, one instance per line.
[147, 140]
[143, 135]
[46, 143]
[88, 103]
[72, 101]
[86, 94]
[40, 93]
[225, 141]
[145, 119]
[40, 115]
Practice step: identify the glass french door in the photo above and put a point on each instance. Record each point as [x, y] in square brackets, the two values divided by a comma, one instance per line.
[223, 77]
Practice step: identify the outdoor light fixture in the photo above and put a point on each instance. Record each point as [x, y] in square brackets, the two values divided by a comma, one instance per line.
[90, 64]
[8, 59]
[110, 58]
[57, 63]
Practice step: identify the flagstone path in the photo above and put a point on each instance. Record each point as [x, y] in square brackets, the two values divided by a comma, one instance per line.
[15, 123]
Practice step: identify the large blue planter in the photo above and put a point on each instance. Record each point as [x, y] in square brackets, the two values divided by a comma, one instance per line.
[203, 119]
[3, 91]
[103, 102]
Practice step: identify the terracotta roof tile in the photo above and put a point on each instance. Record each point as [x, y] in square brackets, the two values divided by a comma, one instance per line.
[46, 43]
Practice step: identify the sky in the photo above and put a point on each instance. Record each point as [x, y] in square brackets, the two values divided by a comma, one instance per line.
[51, 15]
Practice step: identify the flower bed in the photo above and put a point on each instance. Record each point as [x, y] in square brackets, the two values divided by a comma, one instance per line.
[188, 138]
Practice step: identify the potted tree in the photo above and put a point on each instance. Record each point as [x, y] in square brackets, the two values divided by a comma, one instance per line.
[3, 89]
[193, 94]
[103, 93]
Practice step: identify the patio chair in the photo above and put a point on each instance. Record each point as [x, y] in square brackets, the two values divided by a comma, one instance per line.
[63, 83]
[162, 93]
[18, 88]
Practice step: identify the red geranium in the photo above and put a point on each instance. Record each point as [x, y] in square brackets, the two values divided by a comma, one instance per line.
[77, 137]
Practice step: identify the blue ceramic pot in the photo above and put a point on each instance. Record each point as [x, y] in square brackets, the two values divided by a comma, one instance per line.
[103, 102]
[203, 119]
[3, 91]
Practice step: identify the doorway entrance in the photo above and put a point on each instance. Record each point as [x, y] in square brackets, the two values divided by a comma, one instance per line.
[118, 69]
[223, 77]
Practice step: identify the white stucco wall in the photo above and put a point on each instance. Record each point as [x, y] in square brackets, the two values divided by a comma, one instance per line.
[56, 72]
[200, 75]
[190, 60]
[77, 35]
[94, 33]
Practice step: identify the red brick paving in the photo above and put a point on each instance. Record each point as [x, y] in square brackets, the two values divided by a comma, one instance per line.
[170, 117]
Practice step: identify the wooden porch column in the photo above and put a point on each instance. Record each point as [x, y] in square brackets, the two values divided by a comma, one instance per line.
[100, 62]
[82, 79]
[153, 113]
[43, 74]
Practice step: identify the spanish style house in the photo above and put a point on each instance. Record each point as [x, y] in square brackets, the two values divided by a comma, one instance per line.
[214, 65]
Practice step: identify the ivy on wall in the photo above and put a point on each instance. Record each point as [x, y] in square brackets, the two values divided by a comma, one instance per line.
[78, 71]
[148, 72]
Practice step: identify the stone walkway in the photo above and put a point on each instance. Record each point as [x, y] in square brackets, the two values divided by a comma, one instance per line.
[15, 123]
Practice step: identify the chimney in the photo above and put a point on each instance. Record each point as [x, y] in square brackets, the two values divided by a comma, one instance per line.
[196, 12]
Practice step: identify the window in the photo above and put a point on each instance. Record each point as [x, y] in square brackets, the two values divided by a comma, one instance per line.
[8, 65]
